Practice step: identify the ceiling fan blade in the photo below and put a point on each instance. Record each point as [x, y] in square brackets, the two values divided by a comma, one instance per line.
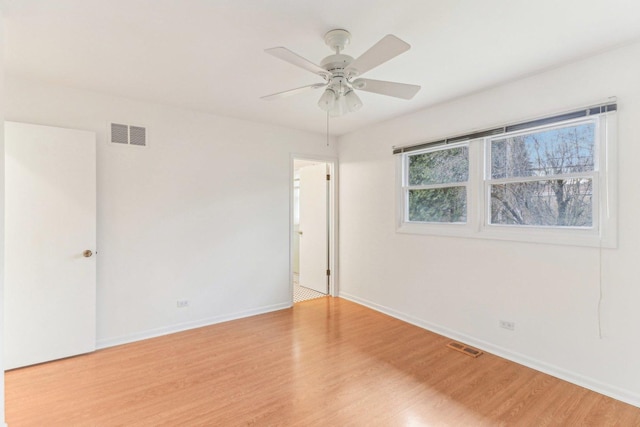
[398, 90]
[387, 48]
[293, 91]
[295, 59]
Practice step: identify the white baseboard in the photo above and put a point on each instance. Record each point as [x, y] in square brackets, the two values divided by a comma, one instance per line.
[152, 333]
[555, 371]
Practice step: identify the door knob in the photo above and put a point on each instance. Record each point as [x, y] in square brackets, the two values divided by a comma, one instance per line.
[87, 253]
[300, 233]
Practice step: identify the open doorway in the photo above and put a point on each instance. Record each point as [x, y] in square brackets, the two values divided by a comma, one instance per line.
[312, 228]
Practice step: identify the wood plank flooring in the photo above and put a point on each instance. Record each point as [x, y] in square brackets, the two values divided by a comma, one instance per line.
[325, 362]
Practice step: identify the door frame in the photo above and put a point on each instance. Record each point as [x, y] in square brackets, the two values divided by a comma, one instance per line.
[332, 215]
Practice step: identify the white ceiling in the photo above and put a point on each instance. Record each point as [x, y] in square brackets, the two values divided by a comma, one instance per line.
[207, 55]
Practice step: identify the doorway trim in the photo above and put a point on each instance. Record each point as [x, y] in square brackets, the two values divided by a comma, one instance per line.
[333, 218]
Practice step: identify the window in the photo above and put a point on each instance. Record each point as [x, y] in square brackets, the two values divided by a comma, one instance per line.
[543, 177]
[436, 189]
[545, 181]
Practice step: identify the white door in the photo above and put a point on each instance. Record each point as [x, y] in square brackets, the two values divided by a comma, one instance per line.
[50, 221]
[313, 228]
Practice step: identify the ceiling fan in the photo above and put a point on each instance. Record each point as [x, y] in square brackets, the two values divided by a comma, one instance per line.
[342, 73]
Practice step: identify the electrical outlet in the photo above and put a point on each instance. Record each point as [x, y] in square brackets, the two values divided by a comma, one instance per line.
[182, 303]
[508, 325]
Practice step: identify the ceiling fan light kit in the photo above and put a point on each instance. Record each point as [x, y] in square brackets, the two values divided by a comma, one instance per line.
[327, 100]
[353, 101]
[340, 73]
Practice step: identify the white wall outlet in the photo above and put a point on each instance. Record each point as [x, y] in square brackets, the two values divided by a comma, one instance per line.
[507, 325]
[181, 303]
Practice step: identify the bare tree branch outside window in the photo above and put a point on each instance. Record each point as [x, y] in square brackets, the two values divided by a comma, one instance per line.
[555, 199]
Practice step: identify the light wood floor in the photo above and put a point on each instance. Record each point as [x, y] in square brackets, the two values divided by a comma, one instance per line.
[326, 362]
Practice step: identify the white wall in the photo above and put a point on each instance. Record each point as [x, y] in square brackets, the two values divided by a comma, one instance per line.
[201, 214]
[461, 287]
[2, 109]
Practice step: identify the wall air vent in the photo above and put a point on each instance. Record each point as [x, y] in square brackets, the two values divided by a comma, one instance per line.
[137, 135]
[469, 351]
[127, 134]
[119, 133]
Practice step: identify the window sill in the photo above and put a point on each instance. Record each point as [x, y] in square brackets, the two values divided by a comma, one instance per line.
[569, 237]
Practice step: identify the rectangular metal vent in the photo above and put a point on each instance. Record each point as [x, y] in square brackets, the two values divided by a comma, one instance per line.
[119, 133]
[128, 134]
[137, 135]
[469, 351]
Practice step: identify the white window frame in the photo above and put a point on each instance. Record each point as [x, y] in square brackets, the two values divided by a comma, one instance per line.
[603, 233]
[438, 228]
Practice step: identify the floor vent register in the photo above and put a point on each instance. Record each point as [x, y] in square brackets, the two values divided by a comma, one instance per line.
[469, 351]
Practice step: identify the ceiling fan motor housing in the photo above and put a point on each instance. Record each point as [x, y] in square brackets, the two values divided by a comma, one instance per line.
[337, 62]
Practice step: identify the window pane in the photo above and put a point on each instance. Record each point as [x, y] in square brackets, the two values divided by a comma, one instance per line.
[551, 152]
[438, 205]
[439, 167]
[558, 203]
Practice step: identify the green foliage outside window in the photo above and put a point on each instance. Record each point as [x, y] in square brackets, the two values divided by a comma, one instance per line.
[443, 204]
